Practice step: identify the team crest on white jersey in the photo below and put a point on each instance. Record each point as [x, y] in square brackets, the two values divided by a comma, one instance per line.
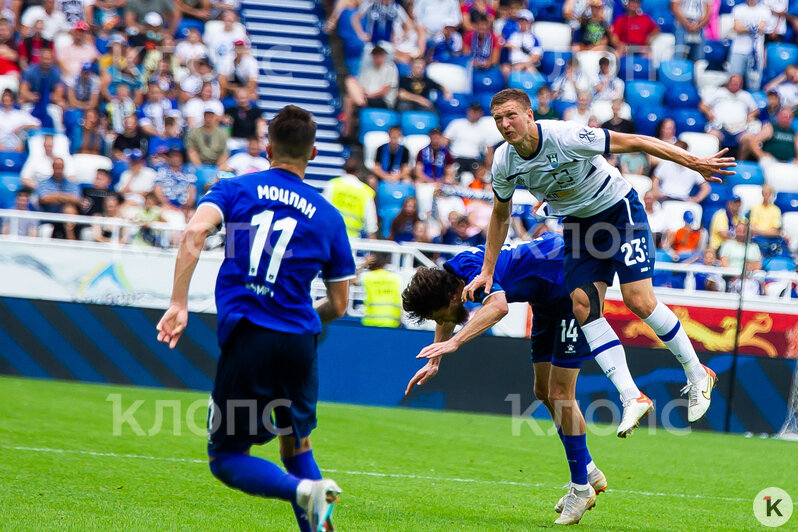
[552, 157]
[587, 136]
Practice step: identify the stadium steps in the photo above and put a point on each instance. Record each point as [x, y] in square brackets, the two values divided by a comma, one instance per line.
[296, 68]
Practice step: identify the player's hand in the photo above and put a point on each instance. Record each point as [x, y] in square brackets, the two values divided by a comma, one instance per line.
[424, 374]
[483, 280]
[438, 349]
[172, 325]
[711, 167]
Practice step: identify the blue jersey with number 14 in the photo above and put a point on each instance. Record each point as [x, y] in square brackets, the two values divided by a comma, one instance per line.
[280, 234]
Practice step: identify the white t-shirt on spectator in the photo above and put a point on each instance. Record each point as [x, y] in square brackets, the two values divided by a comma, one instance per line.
[245, 70]
[693, 10]
[612, 90]
[779, 6]
[185, 51]
[466, 139]
[220, 45]
[731, 110]
[73, 57]
[374, 79]
[446, 204]
[567, 88]
[573, 113]
[194, 110]
[433, 14]
[656, 220]
[676, 181]
[54, 23]
[39, 168]
[10, 121]
[244, 163]
[73, 10]
[520, 41]
[749, 17]
[788, 94]
[140, 184]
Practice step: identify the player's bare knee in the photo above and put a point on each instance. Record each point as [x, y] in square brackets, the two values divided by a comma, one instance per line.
[558, 393]
[541, 391]
[641, 303]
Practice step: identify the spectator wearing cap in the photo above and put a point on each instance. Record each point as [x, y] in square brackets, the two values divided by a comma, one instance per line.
[672, 181]
[524, 48]
[175, 183]
[633, 28]
[54, 20]
[482, 44]
[136, 181]
[220, 43]
[692, 16]
[191, 48]
[89, 136]
[595, 33]
[433, 14]
[137, 10]
[31, 45]
[467, 139]
[84, 93]
[392, 159]
[207, 144]
[154, 109]
[148, 42]
[785, 85]
[42, 93]
[729, 110]
[13, 123]
[721, 227]
[77, 54]
[777, 140]
[416, 89]
[132, 137]
[240, 71]
[376, 86]
[248, 161]
[685, 243]
[9, 56]
[40, 166]
[245, 120]
[433, 159]
[747, 53]
[446, 45]
[194, 110]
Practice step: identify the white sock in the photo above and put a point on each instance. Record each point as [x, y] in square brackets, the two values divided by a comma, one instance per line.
[303, 491]
[611, 357]
[591, 467]
[666, 325]
[580, 487]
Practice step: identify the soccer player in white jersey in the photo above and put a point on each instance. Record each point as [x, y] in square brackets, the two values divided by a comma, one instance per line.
[605, 230]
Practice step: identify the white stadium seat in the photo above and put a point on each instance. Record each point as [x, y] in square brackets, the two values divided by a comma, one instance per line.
[700, 144]
[708, 79]
[673, 213]
[414, 144]
[453, 77]
[60, 145]
[750, 195]
[9, 82]
[492, 135]
[86, 166]
[602, 110]
[371, 141]
[783, 177]
[589, 62]
[662, 48]
[553, 36]
[789, 222]
[640, 183]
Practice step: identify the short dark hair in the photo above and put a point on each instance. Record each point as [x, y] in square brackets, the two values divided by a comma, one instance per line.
[395, 128]
[24, 191]
[604, 61]
[292, 133]
[352, 166]
[429, 290]
[511, 95]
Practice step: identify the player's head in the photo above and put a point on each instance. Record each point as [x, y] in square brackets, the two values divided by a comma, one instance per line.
[512, 111]
[292, 133]
[434, 294]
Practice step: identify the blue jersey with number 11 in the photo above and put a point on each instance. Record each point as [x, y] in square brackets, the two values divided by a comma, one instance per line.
[280, 234]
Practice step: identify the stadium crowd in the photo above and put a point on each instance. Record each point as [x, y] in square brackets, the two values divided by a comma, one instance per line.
[704, 74]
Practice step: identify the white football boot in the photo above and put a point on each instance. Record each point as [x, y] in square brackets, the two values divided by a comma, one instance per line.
[699, 396]
[595, 478]
[633, 411]
[576, 504]
[323, 496]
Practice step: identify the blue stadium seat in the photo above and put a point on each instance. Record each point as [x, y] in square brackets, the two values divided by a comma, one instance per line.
[117, 170]
[718, 195]
[404, 69]
[205, 174]
[187, 24]
[760, 98]
[552, 64]
[419, 122]
[707, 214]
[715, 52]
[456, 106]
[641, 94]
[779, 263]
[726, 6]
[746, 173]
[484, 100]
[664, 19]
[778, 56]
[527, 81]
[634, 67]
[373, 119]
[487, 80]
[787, 201]
[12, 161]
[561, 106]
[9, 184]
[675, 71]
[550, 13]
[688, 120]
[646, 120]
[682, 95]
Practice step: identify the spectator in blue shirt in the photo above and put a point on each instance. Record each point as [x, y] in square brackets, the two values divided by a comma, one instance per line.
[42, 93]
[175, 184]
[59, 195]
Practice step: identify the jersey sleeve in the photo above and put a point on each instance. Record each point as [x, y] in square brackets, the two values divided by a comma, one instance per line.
[582, 142]
[502, 187]
[218, 197]
[466, 265]
[341, 266]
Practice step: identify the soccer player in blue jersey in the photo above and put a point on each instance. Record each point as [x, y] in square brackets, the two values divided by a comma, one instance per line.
[605, 230]
[280, 234]
[529, 272]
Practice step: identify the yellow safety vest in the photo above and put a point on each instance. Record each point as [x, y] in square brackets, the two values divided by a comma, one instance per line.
[351, 200]
[383, 299]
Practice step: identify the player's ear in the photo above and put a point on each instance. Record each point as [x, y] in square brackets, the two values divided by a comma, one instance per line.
[313, 153]
[269, 151]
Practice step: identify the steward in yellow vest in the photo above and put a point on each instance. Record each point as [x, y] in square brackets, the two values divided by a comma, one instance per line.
[383, 294]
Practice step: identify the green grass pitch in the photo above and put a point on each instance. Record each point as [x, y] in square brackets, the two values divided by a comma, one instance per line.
[61, 468]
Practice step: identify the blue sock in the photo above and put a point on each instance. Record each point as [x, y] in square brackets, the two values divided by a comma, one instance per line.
[589, 458]
[254, 476]
[303, 466]
[576, 452]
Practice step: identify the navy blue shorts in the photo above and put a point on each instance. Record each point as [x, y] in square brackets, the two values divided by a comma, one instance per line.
[267, 384]
[557, 338]
[616, 240]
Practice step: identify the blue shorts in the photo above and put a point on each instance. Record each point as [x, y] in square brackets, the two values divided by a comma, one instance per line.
[557, 338]
[616, 240]
[275, 374]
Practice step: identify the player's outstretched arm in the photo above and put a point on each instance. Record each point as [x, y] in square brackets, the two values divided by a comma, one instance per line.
[203, 223]
[708, 167]
[497, 233]
[443, 331]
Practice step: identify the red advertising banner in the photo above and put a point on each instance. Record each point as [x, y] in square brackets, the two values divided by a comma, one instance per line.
[767, 334]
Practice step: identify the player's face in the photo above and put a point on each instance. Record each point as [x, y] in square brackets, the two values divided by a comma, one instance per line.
[512, 121]
[455, 313]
